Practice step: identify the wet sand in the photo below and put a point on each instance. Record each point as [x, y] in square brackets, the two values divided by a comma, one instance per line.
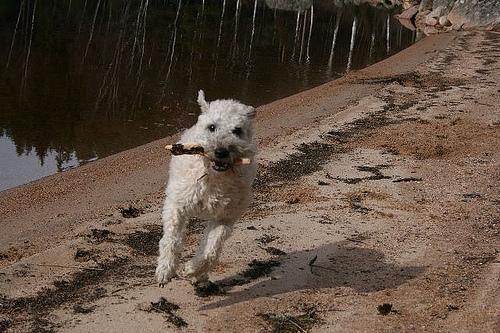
[389, 177]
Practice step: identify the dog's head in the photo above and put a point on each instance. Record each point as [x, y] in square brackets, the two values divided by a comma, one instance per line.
[224, 128]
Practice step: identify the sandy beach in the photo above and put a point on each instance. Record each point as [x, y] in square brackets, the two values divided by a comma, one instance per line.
[376, 209]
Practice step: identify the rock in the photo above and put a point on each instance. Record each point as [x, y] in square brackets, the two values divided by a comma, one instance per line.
[407, 4]
[429, 30]
[420, 19]
[425, 5]
[437, 12]
[409, 13]
[448, 28]
[408, 24]
[469, 14]
[430, 21]
[444, 3]
[443, 21]
[423, 13]
[459, 14]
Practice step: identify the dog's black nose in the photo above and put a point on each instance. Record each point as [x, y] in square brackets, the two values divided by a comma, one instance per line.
[221, 153]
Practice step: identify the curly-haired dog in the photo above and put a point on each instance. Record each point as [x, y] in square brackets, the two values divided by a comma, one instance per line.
[212, 187]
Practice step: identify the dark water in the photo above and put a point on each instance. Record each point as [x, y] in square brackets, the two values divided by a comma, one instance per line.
[84, 79]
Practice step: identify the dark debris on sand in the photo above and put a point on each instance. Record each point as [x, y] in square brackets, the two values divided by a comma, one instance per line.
[208, 288]
[84, 255]
[99, 235]
[266, 239]
[130, 212]
[274, 251]
[259, 268]
[385, 309]
[145, 242]
[308, 159]
[4, 324]
[78, 308]
[286, 323]
[168, 309]
[80, 288]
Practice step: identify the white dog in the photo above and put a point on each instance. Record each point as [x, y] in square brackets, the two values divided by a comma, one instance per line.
[213, 189]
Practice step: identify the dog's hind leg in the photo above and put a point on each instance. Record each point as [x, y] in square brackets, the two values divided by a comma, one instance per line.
[208, 252]
[174, 223]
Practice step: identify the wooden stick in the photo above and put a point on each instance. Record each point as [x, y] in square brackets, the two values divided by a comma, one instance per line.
[70, 266]
[185, 149]
[296, 325]
[197, 149]
[243, 161]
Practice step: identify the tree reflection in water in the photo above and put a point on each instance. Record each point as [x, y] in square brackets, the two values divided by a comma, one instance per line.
[83, 79]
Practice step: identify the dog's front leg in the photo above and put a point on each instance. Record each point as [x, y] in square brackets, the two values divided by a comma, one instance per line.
[171, 243]
[208, 252]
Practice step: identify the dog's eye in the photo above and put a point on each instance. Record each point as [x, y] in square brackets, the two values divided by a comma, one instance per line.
[211, 128]
[237, 131]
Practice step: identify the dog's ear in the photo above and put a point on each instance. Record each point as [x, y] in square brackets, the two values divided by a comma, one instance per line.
[202, 102]
[251, 112]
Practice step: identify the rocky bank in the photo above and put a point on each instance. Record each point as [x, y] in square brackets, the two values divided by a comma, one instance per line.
[433, 16]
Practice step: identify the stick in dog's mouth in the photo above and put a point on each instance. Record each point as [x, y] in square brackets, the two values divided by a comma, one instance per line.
[196, 149]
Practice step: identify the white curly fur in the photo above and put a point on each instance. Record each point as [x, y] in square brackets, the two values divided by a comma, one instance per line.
[196, 189]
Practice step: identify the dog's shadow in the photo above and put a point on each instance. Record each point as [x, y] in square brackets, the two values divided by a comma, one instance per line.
[336, 265]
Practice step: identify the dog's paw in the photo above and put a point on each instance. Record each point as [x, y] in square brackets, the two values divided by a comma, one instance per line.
[164, 273]
[190, 270]
[194, 272]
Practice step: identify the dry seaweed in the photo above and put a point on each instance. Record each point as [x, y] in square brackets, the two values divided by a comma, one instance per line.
[99, 235]
[4, 324]
[78, 308]
[257, 269]
[385, 309]
[286, 323]
[76, 289]
[266, 239]
[83, 255]
[308, 159]
[130, 212]
[274, 251]
[293, 201]
[145, 242]
[260, 268]
[168, 309]
[208, 288]
[407, 179]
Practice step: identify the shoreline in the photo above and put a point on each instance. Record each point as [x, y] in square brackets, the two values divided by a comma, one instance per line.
[138, 175]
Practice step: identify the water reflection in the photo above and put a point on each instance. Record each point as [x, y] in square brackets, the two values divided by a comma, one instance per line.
[30, 164]
[83, 79]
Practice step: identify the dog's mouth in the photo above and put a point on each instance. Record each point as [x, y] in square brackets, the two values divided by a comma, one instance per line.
[220, 166]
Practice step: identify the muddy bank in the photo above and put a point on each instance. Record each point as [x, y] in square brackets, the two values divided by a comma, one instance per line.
[377, 199]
